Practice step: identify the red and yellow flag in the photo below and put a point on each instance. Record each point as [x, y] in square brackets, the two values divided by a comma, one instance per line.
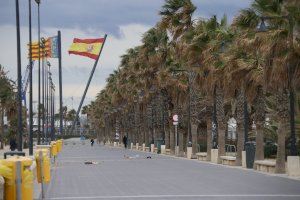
[49, 51]
[87, 47]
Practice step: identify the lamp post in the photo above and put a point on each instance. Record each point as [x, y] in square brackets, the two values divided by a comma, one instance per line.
[48, 76]
[52, 109]
[30, 85]
[141, 95]
[264, 28]
[20, 127]
[39, 76]
[152, 91]
[42, 46]
[136, 120]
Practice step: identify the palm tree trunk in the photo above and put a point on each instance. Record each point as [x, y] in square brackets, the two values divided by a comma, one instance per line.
[280, 159]
[240, 100]
[194, 128]
[259, 153]
[283, 116]
[221, 138]
[260, 109]
[172, 139]
[167, 137]
[219, 98]
[240, 143]
[2, 127]
[181, 140]
[209, 138]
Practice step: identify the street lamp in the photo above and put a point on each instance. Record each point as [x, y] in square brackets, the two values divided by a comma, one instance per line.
[42, 46]
[48, 76]
[141, 94]
[152, 91]
[264, 28]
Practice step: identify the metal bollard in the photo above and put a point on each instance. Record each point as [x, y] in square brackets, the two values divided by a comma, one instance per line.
[19, 180]
[42, 172]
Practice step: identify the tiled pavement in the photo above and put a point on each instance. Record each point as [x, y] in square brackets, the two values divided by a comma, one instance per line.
[162, 177]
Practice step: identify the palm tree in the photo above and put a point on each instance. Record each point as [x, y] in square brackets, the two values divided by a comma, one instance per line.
[6, 99]
[278, 57]
[177, 16]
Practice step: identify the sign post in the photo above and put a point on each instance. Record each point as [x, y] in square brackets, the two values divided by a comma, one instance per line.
[175, 123]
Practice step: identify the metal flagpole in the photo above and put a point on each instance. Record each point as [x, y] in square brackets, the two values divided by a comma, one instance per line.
[20, 131]
[47, 100]
[52, 110]
[30, 86]
[39, 77]
[87, 86]
[60, 85]
[43, 95]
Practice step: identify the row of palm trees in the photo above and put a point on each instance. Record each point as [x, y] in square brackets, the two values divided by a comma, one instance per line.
[206, 71]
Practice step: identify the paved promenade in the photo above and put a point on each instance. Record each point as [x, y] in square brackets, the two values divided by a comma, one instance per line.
[161, 177]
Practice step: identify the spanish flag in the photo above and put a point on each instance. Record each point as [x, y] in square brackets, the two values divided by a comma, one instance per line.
[87, 47]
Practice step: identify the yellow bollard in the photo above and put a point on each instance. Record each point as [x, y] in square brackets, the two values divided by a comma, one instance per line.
[59, 145]
[12, 179]
[53, 149]
[44, 166]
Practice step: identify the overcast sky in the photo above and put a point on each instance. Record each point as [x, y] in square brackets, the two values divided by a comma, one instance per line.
[123, 20]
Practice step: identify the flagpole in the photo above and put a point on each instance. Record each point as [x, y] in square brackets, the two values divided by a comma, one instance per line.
[19, 99]
[87, 86]
[30, 86]
[60, 85]
[39, 77]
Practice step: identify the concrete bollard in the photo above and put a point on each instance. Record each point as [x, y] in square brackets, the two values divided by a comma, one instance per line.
[293, 166]
[163, 149]
[189, 152]
[137, 146]
[115, 144]
[143, 146]
[214, 155]
[244, 164]
[131, 145]
[177, 151]
[152, 148]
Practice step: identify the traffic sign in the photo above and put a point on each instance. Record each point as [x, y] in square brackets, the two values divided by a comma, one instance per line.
[175, 123]
[175, 118]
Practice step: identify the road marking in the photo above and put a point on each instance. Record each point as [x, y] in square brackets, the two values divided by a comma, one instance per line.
[176, 196]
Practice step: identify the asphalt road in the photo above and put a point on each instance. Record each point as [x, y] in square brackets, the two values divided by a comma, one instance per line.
[161, 177]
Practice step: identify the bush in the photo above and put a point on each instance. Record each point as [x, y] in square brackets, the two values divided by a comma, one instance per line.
[270, 150]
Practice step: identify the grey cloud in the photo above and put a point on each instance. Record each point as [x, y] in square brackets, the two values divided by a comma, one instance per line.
[107, 14]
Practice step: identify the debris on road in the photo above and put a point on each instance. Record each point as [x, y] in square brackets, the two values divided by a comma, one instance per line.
[90, 163]
[135, 157]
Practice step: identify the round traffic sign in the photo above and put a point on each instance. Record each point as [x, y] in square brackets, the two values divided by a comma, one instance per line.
[175, 118]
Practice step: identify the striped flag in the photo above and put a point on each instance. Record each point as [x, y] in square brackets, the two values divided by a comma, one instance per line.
[50, 50]
[87, 47]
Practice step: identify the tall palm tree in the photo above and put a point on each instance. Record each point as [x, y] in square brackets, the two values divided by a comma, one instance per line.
[6, 99]
[279, 54]
[177, 16]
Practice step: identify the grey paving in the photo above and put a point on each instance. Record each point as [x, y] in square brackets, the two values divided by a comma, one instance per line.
[116, 177]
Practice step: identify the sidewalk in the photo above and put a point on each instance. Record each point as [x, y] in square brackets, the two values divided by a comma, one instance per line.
[124, 174]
